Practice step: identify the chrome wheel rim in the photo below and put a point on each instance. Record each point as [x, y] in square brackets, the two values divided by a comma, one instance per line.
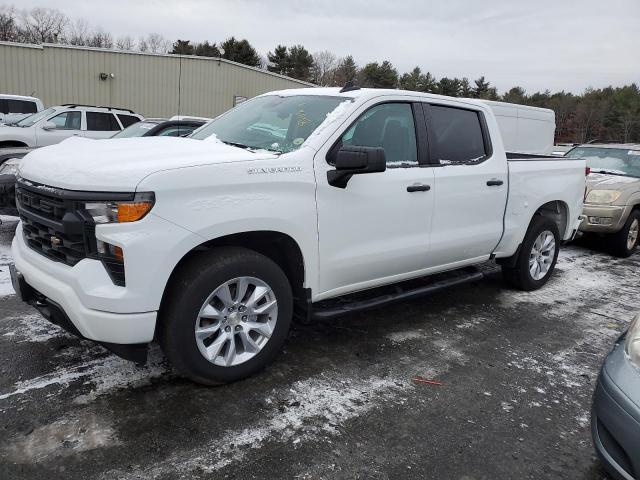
[632, 238]
[542, 255]
[236, 321]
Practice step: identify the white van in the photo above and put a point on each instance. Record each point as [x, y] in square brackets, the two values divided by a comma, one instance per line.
[525, 129]
[16, 107]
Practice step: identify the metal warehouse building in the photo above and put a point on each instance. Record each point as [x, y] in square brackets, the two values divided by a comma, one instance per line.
[154, 85]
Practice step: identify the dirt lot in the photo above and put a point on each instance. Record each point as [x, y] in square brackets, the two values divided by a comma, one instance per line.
[518, 370]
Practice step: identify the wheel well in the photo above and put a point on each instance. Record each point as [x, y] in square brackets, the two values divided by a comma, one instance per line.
[12, 143]
[279, 247]
[557, 211]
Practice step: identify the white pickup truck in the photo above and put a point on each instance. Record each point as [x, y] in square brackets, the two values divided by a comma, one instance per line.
[282, 205]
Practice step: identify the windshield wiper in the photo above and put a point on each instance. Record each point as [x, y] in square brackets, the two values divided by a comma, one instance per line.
[611, 172]
[248, 147]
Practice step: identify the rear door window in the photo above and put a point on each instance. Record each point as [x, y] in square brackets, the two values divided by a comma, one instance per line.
[21, 106]
[8, 105]
[67, 121]
[127, 120]
[102, 122]
[456, 135]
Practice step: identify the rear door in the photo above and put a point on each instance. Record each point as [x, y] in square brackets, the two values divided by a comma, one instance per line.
[472, 185]
[101, 125]
[376, 230]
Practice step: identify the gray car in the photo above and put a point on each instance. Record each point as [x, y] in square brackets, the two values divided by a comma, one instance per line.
[612, 201]
[615, 417]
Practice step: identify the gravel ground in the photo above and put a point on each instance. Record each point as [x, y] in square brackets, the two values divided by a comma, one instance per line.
[517, 372]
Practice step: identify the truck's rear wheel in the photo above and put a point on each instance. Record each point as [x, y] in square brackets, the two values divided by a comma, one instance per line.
[227, 315]
[538, 256]
[624, 243]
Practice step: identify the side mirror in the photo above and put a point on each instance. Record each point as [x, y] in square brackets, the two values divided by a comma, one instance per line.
[353, 160]
[49, 126]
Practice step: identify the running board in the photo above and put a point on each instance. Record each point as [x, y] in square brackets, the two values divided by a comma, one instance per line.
[459, 278]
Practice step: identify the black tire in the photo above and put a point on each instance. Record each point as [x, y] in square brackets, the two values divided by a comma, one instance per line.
[618, 242]
[519, 276]
[192, 284]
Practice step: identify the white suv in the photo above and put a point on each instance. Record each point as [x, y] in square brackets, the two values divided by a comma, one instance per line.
[54, 124]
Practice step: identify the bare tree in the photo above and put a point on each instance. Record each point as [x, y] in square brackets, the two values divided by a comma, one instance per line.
[125, 43]
[78, 33]
[43, 25]
[156, 43]
[8, 24]
[324, 64]
[100, 39]
[143, 46]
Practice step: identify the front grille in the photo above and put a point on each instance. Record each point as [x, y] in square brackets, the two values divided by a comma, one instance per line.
[52, 243]
[56, 224]
[52, 225]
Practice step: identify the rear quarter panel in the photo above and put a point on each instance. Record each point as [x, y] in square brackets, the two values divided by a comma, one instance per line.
[532, 183]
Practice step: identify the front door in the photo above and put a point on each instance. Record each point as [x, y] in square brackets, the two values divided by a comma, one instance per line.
[67, 125]
[375, 230]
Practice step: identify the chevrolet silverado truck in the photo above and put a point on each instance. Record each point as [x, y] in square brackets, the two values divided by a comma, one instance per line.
[308, 203]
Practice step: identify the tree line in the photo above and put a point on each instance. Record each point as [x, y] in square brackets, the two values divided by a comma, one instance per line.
[611, 113]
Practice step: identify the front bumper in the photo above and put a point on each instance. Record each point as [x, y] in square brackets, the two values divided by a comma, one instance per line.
[615, 216]
[69, 287]
[615, 418]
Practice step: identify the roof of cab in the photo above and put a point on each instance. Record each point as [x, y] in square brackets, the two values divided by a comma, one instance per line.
[368, 93]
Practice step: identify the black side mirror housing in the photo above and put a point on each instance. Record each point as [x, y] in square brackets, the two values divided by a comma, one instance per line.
[354, 160]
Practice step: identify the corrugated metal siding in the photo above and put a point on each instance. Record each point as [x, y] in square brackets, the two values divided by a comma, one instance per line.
[150, 84]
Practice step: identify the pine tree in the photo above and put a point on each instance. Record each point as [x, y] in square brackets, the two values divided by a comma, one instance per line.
[376, 75]
[482, 88]
[300, 63]
[206, 49]
[240, 51]
[278, 60]
[182, 47]
[346, 71]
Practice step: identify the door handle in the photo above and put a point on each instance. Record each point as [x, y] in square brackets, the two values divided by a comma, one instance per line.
[494, 182]
[418, 187]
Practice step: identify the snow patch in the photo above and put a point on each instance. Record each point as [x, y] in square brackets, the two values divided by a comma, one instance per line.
[405, 336]
[105, 375]
[313, 407]
[64, 437]
[32, 328]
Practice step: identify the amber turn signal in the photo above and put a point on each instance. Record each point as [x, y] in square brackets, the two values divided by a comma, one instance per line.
[132, 212]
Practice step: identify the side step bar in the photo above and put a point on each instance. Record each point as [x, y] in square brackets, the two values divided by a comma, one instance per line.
[399, 296]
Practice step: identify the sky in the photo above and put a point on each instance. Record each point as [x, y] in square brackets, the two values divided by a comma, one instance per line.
[536, 44]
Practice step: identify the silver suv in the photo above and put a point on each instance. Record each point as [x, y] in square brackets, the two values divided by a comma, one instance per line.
[54, 124]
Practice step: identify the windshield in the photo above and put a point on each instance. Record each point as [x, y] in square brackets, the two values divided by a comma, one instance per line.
[36, 117]
[271, 122]
[138, 129]
[616, 161]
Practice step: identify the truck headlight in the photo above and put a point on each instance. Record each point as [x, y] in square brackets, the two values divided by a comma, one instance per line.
[602, 196]
[10, 167]
[632, 342]
[122, 211]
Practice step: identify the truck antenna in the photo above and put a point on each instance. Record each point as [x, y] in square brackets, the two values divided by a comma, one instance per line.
[349, 87]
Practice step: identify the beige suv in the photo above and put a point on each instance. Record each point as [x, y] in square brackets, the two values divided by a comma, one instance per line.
[612, 201]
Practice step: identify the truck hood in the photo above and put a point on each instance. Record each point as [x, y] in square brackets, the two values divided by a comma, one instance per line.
[118, 165]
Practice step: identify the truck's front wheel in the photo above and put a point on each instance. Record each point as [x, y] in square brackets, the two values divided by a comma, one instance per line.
[537, 256]
[227, 315]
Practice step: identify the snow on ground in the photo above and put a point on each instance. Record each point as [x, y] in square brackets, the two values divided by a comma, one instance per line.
[5, 280]
[65, 437]
[100, 375]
